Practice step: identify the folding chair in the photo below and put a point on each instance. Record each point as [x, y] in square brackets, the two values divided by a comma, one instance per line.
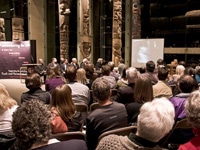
[94, 106]
[69, 135]
[121, 131]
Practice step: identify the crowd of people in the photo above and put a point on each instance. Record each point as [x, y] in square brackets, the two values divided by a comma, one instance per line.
[149, 98]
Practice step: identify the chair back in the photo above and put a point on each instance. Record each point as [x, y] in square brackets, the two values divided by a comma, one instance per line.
[181, 124]
[121, 131]
[83, 109]
[94, 106]
[69, 135]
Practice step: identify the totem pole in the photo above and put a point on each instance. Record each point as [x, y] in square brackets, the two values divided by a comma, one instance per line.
[85, 33]
[136, 20]
[116, 32]
[2, 30]
[17, 29]
[64, 11]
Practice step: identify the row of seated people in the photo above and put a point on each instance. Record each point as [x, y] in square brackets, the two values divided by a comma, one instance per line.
[101, 91]
[34, 86]
[32, 129]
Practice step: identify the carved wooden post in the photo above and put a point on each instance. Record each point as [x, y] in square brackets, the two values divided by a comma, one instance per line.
[2, 30]
[85, 29]
[136, 20]
[17, 29]
[116, 32]
[64, 11]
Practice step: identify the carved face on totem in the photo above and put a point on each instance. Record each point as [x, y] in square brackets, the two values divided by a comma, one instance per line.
[86, 48]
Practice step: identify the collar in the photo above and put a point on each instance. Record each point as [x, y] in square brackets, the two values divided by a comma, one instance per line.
[141, 141]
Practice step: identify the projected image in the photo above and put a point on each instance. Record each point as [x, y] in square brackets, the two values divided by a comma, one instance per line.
[144, 50]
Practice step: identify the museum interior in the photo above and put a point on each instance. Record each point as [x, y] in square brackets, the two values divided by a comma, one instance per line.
[177, 21]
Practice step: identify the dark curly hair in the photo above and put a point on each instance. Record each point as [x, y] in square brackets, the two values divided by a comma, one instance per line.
[31, 124]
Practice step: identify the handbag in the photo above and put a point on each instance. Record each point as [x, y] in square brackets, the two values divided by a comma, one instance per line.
[57, 124]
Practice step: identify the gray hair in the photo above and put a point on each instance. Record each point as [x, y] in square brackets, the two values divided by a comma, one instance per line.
[156, 119]
[192, 108]
[132, 74]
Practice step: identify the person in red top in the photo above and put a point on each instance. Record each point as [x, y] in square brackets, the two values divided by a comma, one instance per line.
[192, 108]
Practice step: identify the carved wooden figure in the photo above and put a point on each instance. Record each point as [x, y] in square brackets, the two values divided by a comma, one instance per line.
[64, 11]
[116, 33]
[2, 30]
[136, 20]
[17, 29]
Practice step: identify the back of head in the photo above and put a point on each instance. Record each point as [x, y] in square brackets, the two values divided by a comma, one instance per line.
[31, 124]
[62, 101]
[180, 70]
[150, 66]
[143, 90]
[33, 81]
[106, 70]
[156, 119]
[132, 74]
[186, 84]
[189, 71]
[160, 62]
[192, 109]
[53, 72]
[197, 70]
[81, 76]
[70, 73]
[162, 73]
[101, 89]
[111, 65]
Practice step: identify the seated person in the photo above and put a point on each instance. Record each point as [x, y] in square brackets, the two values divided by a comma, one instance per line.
[155, 120]
[7, 106]
[80, 92]
[33, 83]
[62, 102]
[192, 109]
[32, 128]
[110, 115]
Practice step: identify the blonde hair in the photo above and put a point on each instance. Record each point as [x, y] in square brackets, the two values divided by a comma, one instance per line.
[6, 101]
[81, 76]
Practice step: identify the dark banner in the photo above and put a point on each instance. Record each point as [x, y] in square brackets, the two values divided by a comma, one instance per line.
[12, 56]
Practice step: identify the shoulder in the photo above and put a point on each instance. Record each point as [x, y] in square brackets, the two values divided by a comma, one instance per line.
[113, 142]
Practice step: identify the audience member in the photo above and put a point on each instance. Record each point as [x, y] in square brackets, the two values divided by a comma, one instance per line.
[75, 63]
[80, 92]
[31, 126]
[150, 67]
[143, 92]
[90, 74]
[81, 76]
[178, 73]
[54, 78]
[99, 63]
[63, 66]
[186, 85]
[161, 88]
[155, 120]
[123, 81]
[83, 63]
[126, 95]
[106, 75]
[121, 66]
[160, 63]
[189, 71]
[33, 83]
[41, 69]
[63, 104]
[192, 109]
[7, 106]
[113, 73]
[53, 63]
[110, 115]
[197, 74]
